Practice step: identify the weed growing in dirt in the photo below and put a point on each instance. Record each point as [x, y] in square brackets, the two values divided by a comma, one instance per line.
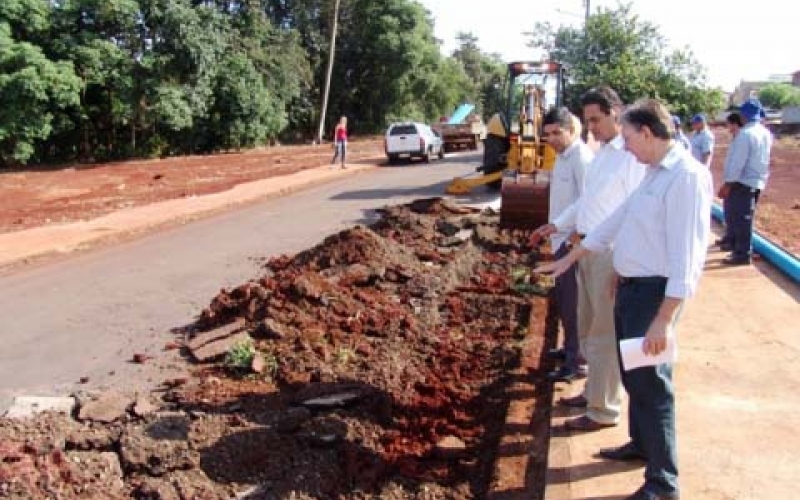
[345, 355]
[240, 356]
[271, 363]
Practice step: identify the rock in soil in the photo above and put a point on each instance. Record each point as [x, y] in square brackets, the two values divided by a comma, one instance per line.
[388, 355]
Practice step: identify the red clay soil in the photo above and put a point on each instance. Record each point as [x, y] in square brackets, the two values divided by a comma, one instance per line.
[377, 364]
[44, 196]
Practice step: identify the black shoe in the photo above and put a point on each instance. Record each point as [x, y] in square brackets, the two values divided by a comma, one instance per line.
[642, 494]
[736, 261]
[557, 354]
[726, 247]
[625, 453]
[563, 374]
[578, 401]
[722, 241]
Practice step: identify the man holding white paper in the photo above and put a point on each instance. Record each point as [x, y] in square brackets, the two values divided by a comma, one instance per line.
[660, 235]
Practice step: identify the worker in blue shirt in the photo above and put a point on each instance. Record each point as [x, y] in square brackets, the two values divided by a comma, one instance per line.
[702, 140]
[680, 137]
[745, 176]
[735, 124]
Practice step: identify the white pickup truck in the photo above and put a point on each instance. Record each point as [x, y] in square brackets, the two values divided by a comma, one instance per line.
[412, 140]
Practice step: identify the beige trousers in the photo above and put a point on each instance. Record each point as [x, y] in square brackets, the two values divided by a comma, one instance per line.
[598, 339]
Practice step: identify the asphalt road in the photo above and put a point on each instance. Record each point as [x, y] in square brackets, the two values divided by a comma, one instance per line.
[86, 316]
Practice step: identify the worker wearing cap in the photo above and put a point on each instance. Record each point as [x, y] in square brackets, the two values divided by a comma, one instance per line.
[702, 140]
[680, 137]
[745, 175]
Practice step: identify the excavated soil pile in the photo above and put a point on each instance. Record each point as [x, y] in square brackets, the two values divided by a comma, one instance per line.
[370, 366]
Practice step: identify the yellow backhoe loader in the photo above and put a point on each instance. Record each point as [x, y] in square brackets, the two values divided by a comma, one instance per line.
[515, 159]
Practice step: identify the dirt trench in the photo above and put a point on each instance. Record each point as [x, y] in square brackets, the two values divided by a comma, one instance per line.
[374, 365]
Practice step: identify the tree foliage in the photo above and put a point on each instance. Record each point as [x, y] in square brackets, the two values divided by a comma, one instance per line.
[779, 95]
[619, 49]
[93, 80]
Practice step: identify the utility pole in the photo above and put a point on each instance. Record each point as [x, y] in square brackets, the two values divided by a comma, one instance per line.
[330, 72]
[588, 10]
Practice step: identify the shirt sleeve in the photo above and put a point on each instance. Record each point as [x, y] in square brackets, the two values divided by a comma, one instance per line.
[688, 226]
[602, 237]
[737, 158]
[579, 173]
[568, 217]
[706, 143]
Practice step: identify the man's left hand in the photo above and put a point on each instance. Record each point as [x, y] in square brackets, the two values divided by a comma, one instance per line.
[656, 339]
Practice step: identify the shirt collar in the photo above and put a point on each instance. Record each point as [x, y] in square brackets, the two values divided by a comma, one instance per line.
[673, 157]
[570, 149]
[617, 142]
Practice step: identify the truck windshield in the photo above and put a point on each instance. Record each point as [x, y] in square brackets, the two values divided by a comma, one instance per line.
[403, 130]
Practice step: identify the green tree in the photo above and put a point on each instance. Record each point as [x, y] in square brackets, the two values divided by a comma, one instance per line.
[484, 71]
[32, 89]
[779, 95]
[619, 49]
[387, 66]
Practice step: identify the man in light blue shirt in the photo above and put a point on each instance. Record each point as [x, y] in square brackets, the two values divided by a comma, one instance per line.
[562, 131]
[659, 236]
[680, 137]
[702, 140]
[745, 175]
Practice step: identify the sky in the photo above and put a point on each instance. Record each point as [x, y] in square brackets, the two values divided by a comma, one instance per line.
[734, 43]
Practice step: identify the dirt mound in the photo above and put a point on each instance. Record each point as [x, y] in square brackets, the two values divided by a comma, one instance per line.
[370, 366]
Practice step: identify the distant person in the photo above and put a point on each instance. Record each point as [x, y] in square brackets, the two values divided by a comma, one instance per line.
[340, 141]
[562, 130]
[745, 175]
[734, 123]
[680, 137]
[612, 176]
[702, 140]
[659, 237]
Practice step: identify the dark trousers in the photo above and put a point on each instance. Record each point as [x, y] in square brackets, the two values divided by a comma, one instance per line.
[741, 203]
[726, 212]
[651, 412]
[566, 296]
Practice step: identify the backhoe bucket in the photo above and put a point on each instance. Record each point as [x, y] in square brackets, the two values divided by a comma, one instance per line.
[525, 201]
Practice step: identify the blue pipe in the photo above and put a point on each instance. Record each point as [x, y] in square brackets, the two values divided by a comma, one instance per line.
[777, 256]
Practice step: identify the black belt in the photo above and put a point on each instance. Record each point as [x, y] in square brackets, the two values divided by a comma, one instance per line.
[575, 238]
[642, 280]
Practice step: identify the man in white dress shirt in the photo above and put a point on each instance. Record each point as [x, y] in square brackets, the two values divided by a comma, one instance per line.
[612, 176]
[562, 130]
[660, 235]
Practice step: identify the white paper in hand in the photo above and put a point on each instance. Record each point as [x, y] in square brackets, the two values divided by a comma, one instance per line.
[634, 357]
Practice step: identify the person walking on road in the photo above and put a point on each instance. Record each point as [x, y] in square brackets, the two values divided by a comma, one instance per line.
[702, 140]
[340, 141]
[659, 235]
[611, 177]
[562, 131]
[746, 173]
[735, 124]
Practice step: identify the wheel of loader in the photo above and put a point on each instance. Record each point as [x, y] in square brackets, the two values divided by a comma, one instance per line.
[494, 148]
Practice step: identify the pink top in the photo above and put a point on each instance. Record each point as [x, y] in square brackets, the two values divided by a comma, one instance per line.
[341, 133]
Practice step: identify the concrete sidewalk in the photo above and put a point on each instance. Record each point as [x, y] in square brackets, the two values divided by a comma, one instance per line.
[738, 402]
